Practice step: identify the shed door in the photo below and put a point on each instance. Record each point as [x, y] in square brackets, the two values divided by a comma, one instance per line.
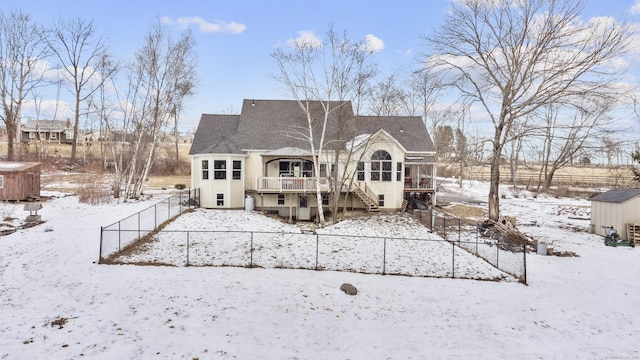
[30, 188]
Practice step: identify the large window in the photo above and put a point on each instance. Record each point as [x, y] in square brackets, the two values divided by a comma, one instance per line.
[219, 169]
[205, 169]
[381, 166]
[237, 170]
[296, 168]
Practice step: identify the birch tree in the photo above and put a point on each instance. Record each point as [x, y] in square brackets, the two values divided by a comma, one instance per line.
[326, 72]
[165, 71]
[514, 57]
[22, 53]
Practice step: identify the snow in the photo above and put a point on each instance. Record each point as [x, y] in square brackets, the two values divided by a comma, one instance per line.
[582, 307]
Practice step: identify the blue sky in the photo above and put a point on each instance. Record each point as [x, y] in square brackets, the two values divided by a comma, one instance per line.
[235, 38]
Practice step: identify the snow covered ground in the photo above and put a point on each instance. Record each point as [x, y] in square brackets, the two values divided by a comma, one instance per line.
[377, 244]
[57, 303]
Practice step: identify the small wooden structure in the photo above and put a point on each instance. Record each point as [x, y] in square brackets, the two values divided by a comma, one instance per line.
[19, 181]
[633, 233]
[616, 208]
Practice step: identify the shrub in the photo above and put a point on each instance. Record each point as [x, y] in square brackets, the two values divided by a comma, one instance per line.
[94, 193]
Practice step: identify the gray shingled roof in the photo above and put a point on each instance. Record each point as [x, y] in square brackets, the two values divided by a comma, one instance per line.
[272, 124]
[617, 195]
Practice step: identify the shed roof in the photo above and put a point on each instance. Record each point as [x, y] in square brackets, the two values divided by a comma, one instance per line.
[617, 195]
[12, 166]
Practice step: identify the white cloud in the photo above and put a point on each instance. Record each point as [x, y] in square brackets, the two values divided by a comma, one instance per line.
[635, 9]
[218, 26]
[373, 43]
[305, 38]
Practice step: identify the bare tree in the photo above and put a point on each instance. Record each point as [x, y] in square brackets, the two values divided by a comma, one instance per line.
[514, 57]
[81, 53]
[324, 72]
[387, 96]
[567, 134]
[422, 96]
[165, 71]
[22, 49]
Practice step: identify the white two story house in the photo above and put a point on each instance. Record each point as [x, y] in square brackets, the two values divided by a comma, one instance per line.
[262, 154]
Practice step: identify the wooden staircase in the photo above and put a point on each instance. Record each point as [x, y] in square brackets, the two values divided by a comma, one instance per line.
[369, 201]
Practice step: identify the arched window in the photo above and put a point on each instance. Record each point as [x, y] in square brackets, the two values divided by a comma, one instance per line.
[381, 166]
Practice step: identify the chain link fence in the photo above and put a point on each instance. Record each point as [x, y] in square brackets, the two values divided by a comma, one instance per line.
[117, 236]
[463, 251]
[510, 258]
[361, 254]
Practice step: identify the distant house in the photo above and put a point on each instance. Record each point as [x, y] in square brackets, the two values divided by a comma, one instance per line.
[617, 208]
[57, 131]
[257, 155]
[19, 181]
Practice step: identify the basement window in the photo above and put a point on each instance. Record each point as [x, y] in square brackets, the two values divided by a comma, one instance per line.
[280, 199]
[1, 181]
[219, 199]
[381, 200]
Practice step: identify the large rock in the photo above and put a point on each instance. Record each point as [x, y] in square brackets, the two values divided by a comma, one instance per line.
[348, 289]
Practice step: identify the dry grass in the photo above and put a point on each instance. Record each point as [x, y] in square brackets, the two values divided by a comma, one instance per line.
[93, 191]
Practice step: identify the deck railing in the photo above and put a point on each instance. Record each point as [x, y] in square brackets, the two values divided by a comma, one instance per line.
[290, 184]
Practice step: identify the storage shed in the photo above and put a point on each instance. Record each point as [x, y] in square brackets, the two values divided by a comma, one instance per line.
[619, 208]
[19, 181]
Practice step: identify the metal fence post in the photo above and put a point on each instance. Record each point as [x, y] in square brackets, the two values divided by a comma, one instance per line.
[187, 248]
[477, 235]
[459, 232]
[498, 254]
[444, 227]
[251, 252]
[453, 260]
[100, 252]
[317, 249]
[524, 259]
[384, 257]
[119, 236]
